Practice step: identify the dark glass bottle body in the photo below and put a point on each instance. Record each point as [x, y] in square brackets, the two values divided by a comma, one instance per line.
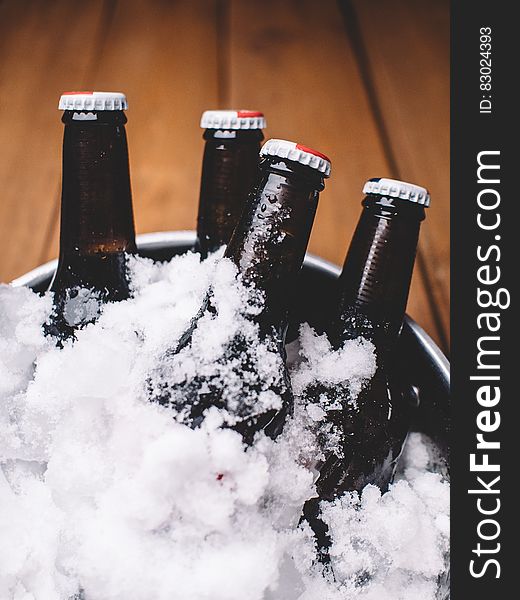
[374, 287]
[229, 169]
[268, 247]
[97, 225]
[373, 291]
[372, 294]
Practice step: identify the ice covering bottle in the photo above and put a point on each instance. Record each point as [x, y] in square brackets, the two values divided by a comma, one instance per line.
[268, 247]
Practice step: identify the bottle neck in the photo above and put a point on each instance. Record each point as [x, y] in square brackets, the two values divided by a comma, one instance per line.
[229, 168]
[377, 273]
[269, 243]
[97, 226]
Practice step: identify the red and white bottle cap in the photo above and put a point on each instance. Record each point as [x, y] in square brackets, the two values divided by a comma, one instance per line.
[297, 153]
[93, 101]
[397, 189]
[232, 119]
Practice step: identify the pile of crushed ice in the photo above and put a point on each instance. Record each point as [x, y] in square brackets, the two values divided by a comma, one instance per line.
[102, 490]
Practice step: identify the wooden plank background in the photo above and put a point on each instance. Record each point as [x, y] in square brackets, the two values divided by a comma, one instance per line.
[365, 81]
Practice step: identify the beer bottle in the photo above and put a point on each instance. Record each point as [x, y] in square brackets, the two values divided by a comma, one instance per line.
[97, 224]
[372, 294]
[232, 142]
[268, 247]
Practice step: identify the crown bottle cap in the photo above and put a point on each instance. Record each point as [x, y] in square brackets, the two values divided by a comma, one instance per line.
[297, 153]
[394, 188]
[232, 119]
[93, 101]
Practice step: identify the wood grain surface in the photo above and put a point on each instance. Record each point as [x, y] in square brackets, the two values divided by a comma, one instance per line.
[365, 81]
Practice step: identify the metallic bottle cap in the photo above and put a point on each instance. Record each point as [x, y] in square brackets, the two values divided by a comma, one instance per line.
[93, 101]
[297, 153]
[232, 119]
[397, 189]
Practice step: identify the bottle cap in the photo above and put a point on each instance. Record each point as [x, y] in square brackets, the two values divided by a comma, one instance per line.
[297, 153]
[397, 189]
[232, 119]
[93, 101]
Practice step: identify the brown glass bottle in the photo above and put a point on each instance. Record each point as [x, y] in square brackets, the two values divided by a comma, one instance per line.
[268, 247]
[97, 225]
[229, 166]
[372, 294]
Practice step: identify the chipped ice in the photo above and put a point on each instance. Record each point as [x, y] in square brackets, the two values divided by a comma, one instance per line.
[102, 490]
